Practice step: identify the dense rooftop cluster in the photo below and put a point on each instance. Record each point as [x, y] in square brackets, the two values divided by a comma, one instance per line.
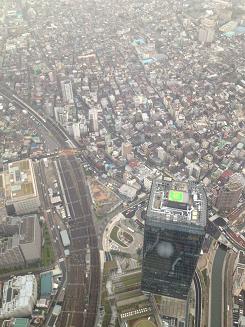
[142, 72]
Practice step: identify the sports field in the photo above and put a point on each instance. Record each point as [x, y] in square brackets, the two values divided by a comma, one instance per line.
[176, 196]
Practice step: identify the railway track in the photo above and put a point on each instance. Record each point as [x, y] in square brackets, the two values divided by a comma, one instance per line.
[81, 299]
[82, 290]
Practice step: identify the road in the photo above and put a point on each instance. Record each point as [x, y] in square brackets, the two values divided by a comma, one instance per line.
[228, 285]
[217, 283]
[198, 291]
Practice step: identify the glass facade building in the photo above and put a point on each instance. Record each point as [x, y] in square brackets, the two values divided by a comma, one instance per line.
[173, 236]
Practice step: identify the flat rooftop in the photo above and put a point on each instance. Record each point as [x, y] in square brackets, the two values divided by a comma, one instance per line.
[178, 202]
[27, 229]
[19, 180]
[18, 292]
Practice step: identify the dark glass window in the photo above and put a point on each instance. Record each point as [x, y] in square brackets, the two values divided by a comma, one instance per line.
[169, 261]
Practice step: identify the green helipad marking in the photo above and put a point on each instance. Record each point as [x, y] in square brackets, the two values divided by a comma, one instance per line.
[176, 196]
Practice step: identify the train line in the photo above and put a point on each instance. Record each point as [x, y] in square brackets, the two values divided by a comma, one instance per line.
[82, 289]
[57, 131]
[81, 298]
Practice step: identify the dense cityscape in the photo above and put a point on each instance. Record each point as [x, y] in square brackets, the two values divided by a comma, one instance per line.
[122, 181]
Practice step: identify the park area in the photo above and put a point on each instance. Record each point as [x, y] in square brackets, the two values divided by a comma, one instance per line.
[114, 236]
[121, 237]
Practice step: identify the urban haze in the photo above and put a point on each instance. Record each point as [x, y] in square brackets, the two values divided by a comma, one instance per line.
[122, 151]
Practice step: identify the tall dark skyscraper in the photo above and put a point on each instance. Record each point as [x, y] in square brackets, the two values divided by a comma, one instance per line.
[174, 233]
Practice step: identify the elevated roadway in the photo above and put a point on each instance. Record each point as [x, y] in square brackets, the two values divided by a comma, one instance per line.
[217, 289]
[198, 291]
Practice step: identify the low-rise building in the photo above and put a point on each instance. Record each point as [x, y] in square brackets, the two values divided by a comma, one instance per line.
[46, 284]
[128, 191]
[239, 275]
[16, 322]
[18, 297]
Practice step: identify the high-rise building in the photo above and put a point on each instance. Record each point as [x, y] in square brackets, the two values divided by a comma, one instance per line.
[20, 242]
[76, 131]
[67, 93]
[207, 31]
[20, 186]
[173, 237]
[229, 193]
[93, 120]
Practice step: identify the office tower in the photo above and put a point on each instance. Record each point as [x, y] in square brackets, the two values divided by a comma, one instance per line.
[20, 186]
[174, 232]
[229, 193]
[93, 120]
[126, 148]
[206, 31]
[67, 93]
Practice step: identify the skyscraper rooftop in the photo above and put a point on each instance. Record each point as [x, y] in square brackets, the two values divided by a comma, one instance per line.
[177, 202]
[173, 236]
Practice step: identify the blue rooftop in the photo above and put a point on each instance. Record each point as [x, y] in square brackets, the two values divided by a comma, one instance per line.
[46, 284]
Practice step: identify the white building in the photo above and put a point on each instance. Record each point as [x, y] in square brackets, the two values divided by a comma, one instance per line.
[67, 93]
[93, 120]
[161, 153]
[19, 297]
[207, 31]
[76, 131]
[128, 191]
[148, 182]
[21, 193]
[59, 114]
